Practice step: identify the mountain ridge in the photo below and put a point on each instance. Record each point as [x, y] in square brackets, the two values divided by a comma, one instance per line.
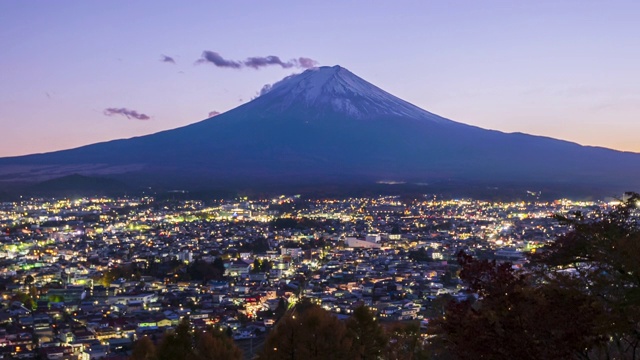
[329, 124]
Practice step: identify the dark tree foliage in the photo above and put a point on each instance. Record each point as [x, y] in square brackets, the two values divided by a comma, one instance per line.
[578, 299]
[203, 271]
[308, 335]
[129, 272]
[218, 265]
[261, 266]
[184, 344]
[310, 332]
[214, 344]
[293, 223]
[600, 258]
[514, 318]
[178, 344]
[281, 309]
[367, 336]
[256, 246]
[420, 255]
[143, 349]
[405, 342]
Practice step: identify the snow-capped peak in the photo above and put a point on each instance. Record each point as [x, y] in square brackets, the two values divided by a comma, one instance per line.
[342, 91]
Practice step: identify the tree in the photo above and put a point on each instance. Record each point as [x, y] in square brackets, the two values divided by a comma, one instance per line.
[178, 344]
[599, 259]
[214, 344]
[367, 336]
[218, 265]
[25, 299]
[28, 280]
[256, 266]
[405, 342]
[515, 317]
[203, 271]
[184, 344]
[579, 297]
[32, 290]
[281, 309]
[438, 306]
[143, 349]
[266, 266]
[261, 266]
[309, 335]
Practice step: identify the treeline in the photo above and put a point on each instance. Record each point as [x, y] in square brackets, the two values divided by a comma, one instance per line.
[198, 270]
[185, 344]
[308, 332]
[579, 298]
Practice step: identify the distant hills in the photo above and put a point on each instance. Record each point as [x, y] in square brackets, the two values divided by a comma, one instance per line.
[329, 129]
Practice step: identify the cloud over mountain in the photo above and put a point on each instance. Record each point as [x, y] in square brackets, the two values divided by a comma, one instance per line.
[254, 62]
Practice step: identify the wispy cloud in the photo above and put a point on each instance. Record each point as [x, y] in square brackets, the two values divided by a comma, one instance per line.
[167, 59]
[267, 87]
[126, 112]
[255, 62]
[306, 63]
[213, 113]
[217, 60]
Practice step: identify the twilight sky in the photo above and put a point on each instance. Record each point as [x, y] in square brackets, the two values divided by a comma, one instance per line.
[79, 72]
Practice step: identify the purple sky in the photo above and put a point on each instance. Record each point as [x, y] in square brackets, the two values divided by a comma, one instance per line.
[79, 72]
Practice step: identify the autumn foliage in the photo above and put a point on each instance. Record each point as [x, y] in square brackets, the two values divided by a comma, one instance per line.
[579, 298]
[185, 344]
[311, 332]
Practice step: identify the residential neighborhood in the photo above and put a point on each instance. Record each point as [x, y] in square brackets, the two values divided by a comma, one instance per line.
[85, 278]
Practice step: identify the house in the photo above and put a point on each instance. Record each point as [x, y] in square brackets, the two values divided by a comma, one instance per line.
[238, 268]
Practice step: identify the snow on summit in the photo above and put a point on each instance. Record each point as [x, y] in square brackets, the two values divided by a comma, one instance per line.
[338, 89]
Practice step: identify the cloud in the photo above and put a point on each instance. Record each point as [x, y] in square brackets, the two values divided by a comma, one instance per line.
[265, 89]
[255, 62]
[306, 63]
[259, 61]
[126, 112]
[268, 87]
[217, 60]
[167, 59]
[213, 113]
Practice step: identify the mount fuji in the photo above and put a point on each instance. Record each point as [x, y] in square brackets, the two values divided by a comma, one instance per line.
[329, 126]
